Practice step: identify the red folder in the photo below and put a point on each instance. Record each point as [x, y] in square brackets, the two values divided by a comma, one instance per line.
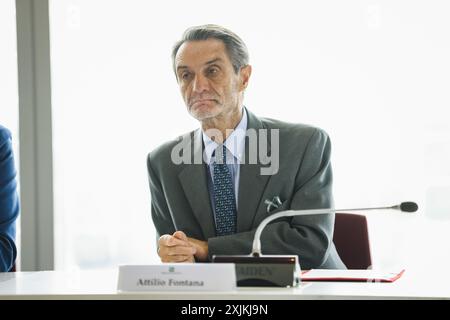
[351, 275]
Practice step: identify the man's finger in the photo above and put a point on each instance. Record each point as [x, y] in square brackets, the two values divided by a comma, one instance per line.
[171, 241]
[176, 250]
[180, 235]
[179, 250]
[177, 258]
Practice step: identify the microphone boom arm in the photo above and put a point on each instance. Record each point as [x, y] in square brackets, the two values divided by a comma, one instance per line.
[256, 251]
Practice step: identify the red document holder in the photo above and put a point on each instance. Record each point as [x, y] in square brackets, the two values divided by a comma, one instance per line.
[351, 275]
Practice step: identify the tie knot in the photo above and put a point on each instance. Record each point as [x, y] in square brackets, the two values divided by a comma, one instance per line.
[221, 154]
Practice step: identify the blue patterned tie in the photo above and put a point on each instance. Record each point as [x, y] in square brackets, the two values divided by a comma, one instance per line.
[224, 200]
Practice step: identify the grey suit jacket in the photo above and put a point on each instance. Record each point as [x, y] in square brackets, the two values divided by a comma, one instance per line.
[180, 200]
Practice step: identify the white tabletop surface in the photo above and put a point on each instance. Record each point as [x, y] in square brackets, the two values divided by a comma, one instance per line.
[102, 284]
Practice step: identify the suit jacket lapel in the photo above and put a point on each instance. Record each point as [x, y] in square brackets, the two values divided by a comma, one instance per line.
[194, 181]
[251, 183]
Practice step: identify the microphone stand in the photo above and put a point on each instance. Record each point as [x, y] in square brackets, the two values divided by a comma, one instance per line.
[257, 269]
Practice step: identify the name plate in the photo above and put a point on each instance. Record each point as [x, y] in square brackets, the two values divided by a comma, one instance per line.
[177, 277]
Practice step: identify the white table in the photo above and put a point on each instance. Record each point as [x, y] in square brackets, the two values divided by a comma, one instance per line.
[102, 284]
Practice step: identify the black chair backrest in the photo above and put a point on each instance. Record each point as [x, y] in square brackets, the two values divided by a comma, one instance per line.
[351, 238]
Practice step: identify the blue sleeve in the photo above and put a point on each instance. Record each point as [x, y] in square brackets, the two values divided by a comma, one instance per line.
[9, 202]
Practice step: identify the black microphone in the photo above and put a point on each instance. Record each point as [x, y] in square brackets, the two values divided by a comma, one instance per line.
[409, 206]
[257, 269]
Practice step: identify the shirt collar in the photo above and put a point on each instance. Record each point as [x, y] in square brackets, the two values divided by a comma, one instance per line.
[235, 143]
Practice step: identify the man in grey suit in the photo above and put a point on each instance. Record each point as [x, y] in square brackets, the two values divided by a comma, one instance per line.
[209, 188]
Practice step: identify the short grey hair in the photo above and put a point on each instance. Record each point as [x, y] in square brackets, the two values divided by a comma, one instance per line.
[235, 47]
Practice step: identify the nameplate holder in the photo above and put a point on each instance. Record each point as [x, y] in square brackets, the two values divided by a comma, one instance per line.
[264, 270]
[177, 277]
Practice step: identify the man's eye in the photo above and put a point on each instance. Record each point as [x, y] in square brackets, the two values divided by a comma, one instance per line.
[185, 75]
[213, 71]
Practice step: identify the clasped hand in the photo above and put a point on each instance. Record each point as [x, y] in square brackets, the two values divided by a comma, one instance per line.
[180, 248]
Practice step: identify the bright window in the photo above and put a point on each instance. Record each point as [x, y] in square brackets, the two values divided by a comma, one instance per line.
[374, 76]
[9, 111]
[8, 70]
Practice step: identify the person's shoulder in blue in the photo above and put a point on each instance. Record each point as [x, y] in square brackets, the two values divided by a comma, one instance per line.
[9, 202]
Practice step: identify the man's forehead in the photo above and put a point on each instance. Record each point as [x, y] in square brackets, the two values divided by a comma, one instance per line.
[200, 52]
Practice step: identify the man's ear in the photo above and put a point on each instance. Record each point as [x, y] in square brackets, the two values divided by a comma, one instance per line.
[245, 74]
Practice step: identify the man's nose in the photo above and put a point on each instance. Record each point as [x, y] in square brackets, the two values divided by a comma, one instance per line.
[200, 84]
